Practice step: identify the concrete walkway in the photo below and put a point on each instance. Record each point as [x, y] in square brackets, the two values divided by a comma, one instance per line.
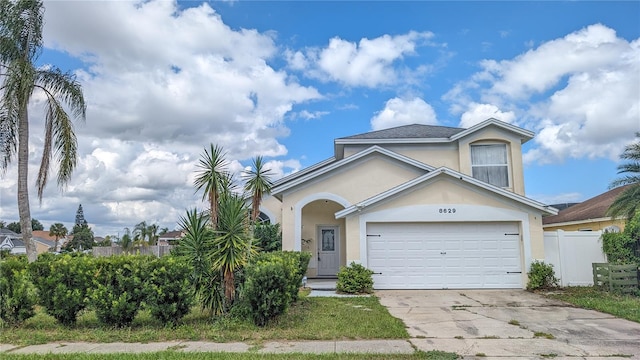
[512, 324]
[274, 347]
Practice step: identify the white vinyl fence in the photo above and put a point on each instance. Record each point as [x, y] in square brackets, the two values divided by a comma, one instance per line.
[571, 253]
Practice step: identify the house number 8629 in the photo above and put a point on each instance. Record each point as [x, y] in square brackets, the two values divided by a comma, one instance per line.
[447, 210]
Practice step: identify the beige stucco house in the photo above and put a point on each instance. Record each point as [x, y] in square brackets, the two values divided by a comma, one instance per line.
[589, 215]
[424, 207]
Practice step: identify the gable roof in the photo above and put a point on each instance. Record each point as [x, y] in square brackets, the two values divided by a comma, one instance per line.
[594, 208]
[453, 174]
[7, 232]
[294, 181]
[413, 131]
[422, 134]
[170, 235]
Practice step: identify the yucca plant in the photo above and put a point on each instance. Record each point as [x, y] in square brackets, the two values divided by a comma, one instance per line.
[196, 248]
[233, 244]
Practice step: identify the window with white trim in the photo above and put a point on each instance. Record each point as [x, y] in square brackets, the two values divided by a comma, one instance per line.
[489, 164]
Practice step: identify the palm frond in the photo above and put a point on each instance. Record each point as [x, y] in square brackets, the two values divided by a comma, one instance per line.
[258, 183]
[628, 201]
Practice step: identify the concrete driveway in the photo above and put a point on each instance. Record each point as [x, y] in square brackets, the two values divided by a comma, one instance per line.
[509, 324]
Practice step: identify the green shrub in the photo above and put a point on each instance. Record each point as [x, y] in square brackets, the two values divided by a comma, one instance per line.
[63, 282]
[355, 279]
[118, 289]
[265, 289]
[17, 293]
[624, 247]
[268, 237]
[619, 248]
[541, 276]
[168, 291]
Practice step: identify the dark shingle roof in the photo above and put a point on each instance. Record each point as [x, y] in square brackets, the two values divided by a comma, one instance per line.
[415, 131]
[594, 208]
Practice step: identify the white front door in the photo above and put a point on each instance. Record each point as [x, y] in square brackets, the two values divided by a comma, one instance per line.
[328, 250]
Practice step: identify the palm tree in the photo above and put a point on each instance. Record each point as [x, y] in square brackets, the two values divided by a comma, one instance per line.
[209, 178]
[152, 234]
[20, 46]
[58, 230]
[233, 244]
[126, 242]
[258, 183]
[140, 233]
[628, 201]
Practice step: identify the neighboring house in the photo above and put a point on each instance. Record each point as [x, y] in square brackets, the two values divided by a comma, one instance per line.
[44, 234]
[13, 241]
[589, 215]
[169, 238]
[424, 207]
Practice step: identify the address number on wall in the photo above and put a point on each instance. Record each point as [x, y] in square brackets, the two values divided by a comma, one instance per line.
[447, 210]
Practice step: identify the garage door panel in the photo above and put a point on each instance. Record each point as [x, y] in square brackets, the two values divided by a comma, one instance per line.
[444, 255]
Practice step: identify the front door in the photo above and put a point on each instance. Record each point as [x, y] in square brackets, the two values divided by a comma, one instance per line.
[328, 250]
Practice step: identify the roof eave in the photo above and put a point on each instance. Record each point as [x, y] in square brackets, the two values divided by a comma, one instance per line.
[454, 174]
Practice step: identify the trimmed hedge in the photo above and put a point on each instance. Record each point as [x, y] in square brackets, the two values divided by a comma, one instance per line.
[114, 287]
[272, 283]
[17, 293]
[118, 289]
[63, 282]
[168, 291]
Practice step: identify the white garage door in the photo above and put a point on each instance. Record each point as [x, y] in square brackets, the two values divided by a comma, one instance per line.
[444, 255]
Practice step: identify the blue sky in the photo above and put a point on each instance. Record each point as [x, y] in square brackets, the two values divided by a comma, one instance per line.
[283, 79]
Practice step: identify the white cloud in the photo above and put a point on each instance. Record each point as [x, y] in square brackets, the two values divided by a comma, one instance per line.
[368, 63]
[160, 83]
[563, 198]
[579, 93]
[478, 113]
[399, 112]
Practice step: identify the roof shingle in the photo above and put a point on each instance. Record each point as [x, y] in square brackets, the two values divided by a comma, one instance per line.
[414, 131]
[593, 208]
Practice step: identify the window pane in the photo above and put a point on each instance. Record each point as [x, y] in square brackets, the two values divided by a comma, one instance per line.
[489, 164]
[489, 154]
[328, 240]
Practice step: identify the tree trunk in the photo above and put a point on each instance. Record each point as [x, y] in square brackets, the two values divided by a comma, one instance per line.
[23, 185]
[229, 286]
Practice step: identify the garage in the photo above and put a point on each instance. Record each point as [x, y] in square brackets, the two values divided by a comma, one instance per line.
[448, 255]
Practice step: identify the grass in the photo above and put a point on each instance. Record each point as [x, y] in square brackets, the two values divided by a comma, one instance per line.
[622, 306]
[543, 335]
[171, 355]
[308, 319]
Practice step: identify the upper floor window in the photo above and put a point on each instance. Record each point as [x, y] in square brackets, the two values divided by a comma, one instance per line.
[489, 164]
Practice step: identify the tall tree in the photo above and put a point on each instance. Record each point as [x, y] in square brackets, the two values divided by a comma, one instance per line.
[209, 178]
[140, 232]
[628, 201]
[58, 230]
[80, 220]
[257, 183]
[152, 234]
[20, 46]
[126, 242]
[36, 225]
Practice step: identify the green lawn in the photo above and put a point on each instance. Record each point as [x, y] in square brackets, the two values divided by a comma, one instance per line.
[170, 355]
[309, 319]
[623, 306]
